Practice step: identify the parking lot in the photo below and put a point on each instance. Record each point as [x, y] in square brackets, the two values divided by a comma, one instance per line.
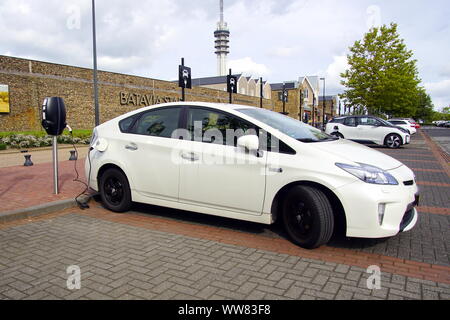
[158, 253]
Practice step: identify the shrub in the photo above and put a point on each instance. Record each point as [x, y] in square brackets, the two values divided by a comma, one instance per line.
[24, 141]
[2, 146]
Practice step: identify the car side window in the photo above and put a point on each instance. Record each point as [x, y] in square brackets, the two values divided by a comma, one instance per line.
[158, 123]
[125, 124]
[350, 122]
[215, 127]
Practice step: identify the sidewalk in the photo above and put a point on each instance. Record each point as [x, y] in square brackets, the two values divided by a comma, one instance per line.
[23, 189]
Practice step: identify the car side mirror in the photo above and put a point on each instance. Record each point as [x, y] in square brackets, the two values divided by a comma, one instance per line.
[249, 142]
[336, 128]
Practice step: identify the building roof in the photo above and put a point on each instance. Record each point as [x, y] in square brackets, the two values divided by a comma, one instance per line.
[212, 80]
[314, 81]
[288, 85]
[327, 98]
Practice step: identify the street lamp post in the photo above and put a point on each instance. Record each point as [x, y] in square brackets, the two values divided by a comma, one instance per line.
[94, 39]
[323, 115]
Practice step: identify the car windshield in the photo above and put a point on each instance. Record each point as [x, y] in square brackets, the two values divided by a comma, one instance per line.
[291, 127]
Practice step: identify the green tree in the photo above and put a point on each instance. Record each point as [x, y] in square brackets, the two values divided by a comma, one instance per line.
[382, 77]
[425, 106]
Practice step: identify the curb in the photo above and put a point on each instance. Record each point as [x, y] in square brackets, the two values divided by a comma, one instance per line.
[41, 209]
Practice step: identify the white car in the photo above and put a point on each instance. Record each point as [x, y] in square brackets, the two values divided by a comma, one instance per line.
[405, 124]
[368, 129]
[250, 164]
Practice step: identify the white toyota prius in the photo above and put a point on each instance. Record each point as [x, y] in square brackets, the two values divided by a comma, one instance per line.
[251, 164]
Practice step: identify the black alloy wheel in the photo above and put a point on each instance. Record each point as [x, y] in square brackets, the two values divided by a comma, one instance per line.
[393, 141]
[308, 217]
[115, 190]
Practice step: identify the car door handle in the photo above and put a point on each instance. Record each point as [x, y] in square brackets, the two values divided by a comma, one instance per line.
[190, 156]
[131, 146]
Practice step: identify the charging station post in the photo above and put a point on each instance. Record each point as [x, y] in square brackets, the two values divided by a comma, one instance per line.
[55, 165]
[54, 123]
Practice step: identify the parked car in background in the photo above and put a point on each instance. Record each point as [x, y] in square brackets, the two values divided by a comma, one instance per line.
[442, 123]
[405, 124]
[446, 124]
[216, 159]
[368, 129]
[410, 120]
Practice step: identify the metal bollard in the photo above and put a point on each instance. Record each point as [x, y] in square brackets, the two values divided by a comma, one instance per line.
[28, 162]
[73, 155]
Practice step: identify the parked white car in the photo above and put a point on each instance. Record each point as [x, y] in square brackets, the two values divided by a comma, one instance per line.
[250, 164]
[405, 124]
[368, 129]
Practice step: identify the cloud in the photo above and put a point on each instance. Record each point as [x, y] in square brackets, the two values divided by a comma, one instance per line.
[248, 67]
[277, 39]
[439, 92]
[284, 52]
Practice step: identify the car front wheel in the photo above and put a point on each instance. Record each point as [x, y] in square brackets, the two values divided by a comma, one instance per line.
[393, 141]
[308, 217]
[115, 190]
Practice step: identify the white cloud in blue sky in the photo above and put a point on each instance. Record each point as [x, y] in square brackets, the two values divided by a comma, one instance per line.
[277, 39]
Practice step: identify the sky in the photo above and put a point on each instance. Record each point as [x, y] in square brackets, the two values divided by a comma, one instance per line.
[279, 40]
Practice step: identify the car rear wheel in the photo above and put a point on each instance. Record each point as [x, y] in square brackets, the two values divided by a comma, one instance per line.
[308, 217]
[115, 190]
[393, 141]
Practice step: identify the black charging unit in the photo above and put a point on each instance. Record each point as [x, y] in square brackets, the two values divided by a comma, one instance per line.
[54, 123]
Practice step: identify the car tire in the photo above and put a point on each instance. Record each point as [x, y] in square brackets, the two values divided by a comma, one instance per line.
[115, 190]
[393, 141]
[307, 217]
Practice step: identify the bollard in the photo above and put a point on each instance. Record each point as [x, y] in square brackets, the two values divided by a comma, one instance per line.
[28, 162]
[73, 155]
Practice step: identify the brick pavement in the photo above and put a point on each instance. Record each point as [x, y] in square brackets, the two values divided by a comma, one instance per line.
[157, 253]
[120, 261]
[23, 187]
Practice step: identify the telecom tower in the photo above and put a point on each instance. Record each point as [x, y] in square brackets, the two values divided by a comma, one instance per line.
[222, 35]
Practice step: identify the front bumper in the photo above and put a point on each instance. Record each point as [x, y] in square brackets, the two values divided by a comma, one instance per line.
[361, 202]
[407, 139]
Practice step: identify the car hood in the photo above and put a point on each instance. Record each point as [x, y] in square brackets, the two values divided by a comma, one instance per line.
[356, 152]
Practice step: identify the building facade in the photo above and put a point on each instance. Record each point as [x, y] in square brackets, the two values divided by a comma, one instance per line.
[29, 82]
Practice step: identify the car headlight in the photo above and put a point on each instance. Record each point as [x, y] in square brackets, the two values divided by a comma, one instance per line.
[369, 174]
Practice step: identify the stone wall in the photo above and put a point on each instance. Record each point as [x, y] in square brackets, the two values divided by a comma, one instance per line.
[31, 81]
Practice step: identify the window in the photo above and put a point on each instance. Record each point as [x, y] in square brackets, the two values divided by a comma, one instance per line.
[397, 122]
[159, 123]
[350, 122]
[214, 127]
[288, 126]
[338, 120]
[369, 121]
[125, 124]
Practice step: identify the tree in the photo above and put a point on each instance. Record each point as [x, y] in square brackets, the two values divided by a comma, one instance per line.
[383, 77]
[424, 109]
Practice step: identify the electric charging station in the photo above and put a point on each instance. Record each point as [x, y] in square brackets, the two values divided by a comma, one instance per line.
[231, 85]
[54, 123]
[184, 78]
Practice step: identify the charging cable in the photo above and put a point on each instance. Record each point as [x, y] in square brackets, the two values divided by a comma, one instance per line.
[81, 205]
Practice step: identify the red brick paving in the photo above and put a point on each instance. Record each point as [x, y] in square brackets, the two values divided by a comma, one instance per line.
[23, 187]
[399, 266]
[434, 210]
